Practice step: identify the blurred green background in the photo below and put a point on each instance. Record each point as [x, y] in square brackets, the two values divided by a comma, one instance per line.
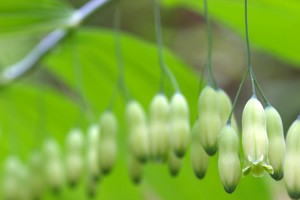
[47, 102]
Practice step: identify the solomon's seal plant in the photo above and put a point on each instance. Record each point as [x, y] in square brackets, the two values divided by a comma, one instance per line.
[160, 136]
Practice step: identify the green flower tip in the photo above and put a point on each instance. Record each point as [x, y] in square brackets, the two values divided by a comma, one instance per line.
[277, 176]
[136, 180]
[180, 153]
[211, 151]
[230, 189]
[257, 167]
[200, 175]
[294, 194]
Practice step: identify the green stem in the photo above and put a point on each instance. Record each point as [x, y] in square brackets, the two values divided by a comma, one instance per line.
[84, 108]
[237, 95]
[250, 68]
[211, 76]
[42, 116]
[163, 67]
[120, 84]
[261, 92]
[117, 26]
[201, 80]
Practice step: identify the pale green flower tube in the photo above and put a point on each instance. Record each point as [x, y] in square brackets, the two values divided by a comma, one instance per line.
[291, 165]
[135, 169]
[199, 157]
[210, 122]
[36, 182]
[108, 143]
[139, 142]
[92, 152]
[74, 156]
[276, 141]
[137, 130]
[229, 163]
[174, 163]
[255, 139]
[225, 107]
[180, 127]
[11, 180]
[54, 169]
[159, 128]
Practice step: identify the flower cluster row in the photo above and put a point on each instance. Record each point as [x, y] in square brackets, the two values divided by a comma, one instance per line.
[164, 137]
[86, 158]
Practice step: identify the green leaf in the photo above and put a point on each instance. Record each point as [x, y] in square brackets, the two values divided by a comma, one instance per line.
[32, 16]
[24, 23]
[273, 25]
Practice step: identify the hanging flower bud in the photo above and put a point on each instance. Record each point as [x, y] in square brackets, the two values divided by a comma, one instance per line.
[179, 136]
[199, 157]
[91, 187]
[159, 141]
[135, 114]
[74, 168]
[36, 183]
[229, 162]
[276, 141]
[24, 178]
[135, 169]
[75, 141]
[93, 135]
[180, 127]
[108, 125]
[138, 131]
[138, 142]
[74, 160]
[54, 170]
[225, 107]
[255, 139]
[108, 152]
[11, 182]
[159, 108]
[93, 163]
[51, 149]
[291, 165]
[93, 152]
[108, 143]
[174, 163]
[209, 120]
[179, 107]
[159, 128]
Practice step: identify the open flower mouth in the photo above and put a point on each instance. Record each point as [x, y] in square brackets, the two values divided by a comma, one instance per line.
[257, 166]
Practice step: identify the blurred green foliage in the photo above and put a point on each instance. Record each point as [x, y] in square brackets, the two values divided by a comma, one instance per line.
[273, 24]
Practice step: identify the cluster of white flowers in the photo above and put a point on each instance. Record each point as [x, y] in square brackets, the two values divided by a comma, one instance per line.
[85, 159]
[163, 137]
